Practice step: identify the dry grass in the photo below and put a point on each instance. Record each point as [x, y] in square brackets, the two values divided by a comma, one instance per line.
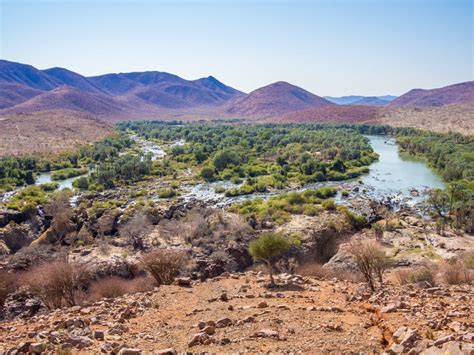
[164, 264]
[455, 273]
[112, 287]
[58, 283]
[8, 284]
[49, 132]
[319, 271]
[422, 274]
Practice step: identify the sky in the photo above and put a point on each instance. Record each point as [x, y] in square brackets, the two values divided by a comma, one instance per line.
[329, 47]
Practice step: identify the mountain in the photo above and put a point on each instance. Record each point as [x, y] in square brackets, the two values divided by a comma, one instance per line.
[462, 93]
[27, 75]
[274, 100]
[23, 88]
[68, 98]
[66, 77]
[12, 94]
[361, 100]
[371, 101]
[344, 100]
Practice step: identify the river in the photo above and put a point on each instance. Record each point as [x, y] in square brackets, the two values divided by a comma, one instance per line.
[395, 177]
[398, 174]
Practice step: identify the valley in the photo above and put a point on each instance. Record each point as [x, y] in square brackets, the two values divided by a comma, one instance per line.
[191, 198]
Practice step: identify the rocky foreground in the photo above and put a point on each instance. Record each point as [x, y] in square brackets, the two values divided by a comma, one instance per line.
[239, 313]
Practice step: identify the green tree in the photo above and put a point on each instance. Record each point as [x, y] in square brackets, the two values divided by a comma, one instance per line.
[208, 173]
[268, 248]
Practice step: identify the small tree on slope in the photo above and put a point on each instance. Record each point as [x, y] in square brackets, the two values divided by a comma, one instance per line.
[268, 248]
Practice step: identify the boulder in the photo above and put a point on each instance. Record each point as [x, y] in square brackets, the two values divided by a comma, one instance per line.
[36, 348]
[198, 338]
[16, 236]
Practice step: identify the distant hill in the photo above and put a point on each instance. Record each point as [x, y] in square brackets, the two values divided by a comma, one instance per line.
[27, 75]
[68, 98]
[334, 113]
[26, 90]
[462, 93]
[274, 100]
[49, 132]
[23, 88]
[361, 100]
[12, 94]
[371, 101]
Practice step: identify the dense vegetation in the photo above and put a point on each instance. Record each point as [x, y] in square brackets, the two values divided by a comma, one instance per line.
[20, 171]
[260, 157]
[453, 156]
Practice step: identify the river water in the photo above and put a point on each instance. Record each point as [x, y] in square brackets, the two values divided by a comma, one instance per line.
[398, 174]
[394, 177]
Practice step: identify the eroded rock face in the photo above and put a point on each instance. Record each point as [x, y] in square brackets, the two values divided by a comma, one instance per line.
[7, 216]
[16, 236]
[20, 304]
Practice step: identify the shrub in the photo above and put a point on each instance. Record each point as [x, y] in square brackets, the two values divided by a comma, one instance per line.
[378, 229]
[329, 204]
[67, 173]
[219, 189]
[370, 260]
[164, 264]
[268, 248]
[403, 276]
[8, 284]
[81, 183]
[57, 283]
[421, 275]
[319, 271]
[469, 260]
[355, 220]
[314, 270]
[135, 230]
[112, 287]
[166, 193]
[208, 173]
[455, 273]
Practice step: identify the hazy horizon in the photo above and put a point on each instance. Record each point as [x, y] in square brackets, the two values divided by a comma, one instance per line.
[331, 48]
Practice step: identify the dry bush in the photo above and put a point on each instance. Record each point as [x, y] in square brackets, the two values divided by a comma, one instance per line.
[423, 275]
[370, 260]
[135, 230]
[319, 271]
[468, 260]
[60, 209]
[164, 264]
[403, 276]
[8, 284]
[315, 270]
[455, 273]
[57, 283]
[112, 287]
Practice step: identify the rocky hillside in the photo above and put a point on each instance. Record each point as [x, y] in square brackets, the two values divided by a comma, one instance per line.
[237, 312]
[335, 113]
[49, 132]
[274, 100]
[462, 93]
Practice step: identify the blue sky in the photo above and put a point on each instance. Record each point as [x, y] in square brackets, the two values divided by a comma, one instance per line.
[329, 47]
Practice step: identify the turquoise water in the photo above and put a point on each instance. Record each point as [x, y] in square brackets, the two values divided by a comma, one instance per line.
[395, 173]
